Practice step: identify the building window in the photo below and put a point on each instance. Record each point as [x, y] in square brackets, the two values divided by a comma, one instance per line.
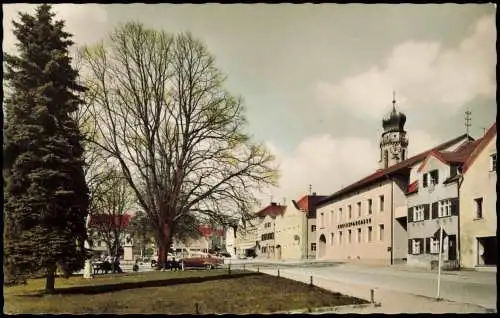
[416, 246]
[331, 238]
[349, 238]
[418, 213]
[340, 215]
[370, 234]
[493, 165]
[322, 220]
[434, 245]
[434, 176]
[381, 232]
[340, 237]
[444, 208]
[386, 158]
[382, 203]
[479, 208]
[350, 211]
[313, 228]
[331, 217]
[369, 206]
[359, 235]
[359, 209]
[424, 180]
[99, 243]
[313, 246]
[403, 154]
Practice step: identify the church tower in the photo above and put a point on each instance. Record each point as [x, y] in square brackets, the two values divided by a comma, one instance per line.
[393, 142]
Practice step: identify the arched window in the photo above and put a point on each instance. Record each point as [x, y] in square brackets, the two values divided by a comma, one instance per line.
[386, 158]
[403, 154]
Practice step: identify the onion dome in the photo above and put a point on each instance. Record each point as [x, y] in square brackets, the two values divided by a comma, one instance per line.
[394, 121]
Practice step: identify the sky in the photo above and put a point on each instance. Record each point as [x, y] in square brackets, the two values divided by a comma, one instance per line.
[318, 79]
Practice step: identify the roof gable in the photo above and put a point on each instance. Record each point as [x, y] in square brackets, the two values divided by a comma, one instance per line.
[490, 134]
[272, 209]
[110, 221]
[308, 202]
[431, 154]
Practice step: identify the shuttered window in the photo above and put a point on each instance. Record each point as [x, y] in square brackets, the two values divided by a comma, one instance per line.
[418, 213]
[444, 208]
[434, 245]
[410, 215]
[434, 210]
[426, 211]
[434, 176]
[416, 248]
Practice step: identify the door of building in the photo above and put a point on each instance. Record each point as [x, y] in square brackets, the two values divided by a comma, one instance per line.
[452, 247]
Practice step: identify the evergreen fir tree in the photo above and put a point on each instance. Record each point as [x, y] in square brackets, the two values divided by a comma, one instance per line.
[45, 193]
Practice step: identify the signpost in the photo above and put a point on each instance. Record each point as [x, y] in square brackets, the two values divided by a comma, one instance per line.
[440, 258]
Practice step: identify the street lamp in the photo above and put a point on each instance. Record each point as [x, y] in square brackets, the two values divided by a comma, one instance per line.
[87, 269]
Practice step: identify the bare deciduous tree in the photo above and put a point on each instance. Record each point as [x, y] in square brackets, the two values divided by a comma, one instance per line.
[111, 205]
[178, 135]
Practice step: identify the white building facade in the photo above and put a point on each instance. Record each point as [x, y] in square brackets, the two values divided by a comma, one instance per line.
[478, 213]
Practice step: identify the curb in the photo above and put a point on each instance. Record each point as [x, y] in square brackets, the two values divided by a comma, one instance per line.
[328, 309]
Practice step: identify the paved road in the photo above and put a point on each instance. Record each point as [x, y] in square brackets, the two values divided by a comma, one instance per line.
[478, 288]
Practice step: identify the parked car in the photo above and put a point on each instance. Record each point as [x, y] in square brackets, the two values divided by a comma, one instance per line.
[169, 257]
[201, 260]
[224, 254]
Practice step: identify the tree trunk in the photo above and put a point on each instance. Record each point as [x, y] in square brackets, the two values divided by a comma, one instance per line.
[50, 278]
[164, 245]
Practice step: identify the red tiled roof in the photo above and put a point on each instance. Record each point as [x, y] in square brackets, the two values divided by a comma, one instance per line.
[492, 131]
[412, 187]
[395, 169]
[272, 209]
[207, 231]
[110, 221]
[460, 155]
[308, 201]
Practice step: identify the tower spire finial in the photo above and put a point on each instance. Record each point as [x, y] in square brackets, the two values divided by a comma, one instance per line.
[394, 101]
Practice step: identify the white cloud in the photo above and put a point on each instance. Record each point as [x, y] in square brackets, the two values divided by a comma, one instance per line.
[424, 74]
[87, 22]
[420, 141]
[324, 162]
[328, 163]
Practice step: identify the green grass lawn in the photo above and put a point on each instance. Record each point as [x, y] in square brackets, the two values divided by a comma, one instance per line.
[170, 292]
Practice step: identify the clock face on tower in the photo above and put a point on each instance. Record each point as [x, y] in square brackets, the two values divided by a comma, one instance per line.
[395, 151]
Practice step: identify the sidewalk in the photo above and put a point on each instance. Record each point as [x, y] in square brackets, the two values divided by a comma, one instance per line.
[390, 302]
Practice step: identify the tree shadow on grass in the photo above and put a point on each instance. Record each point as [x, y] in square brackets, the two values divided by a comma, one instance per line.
[109, 288]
